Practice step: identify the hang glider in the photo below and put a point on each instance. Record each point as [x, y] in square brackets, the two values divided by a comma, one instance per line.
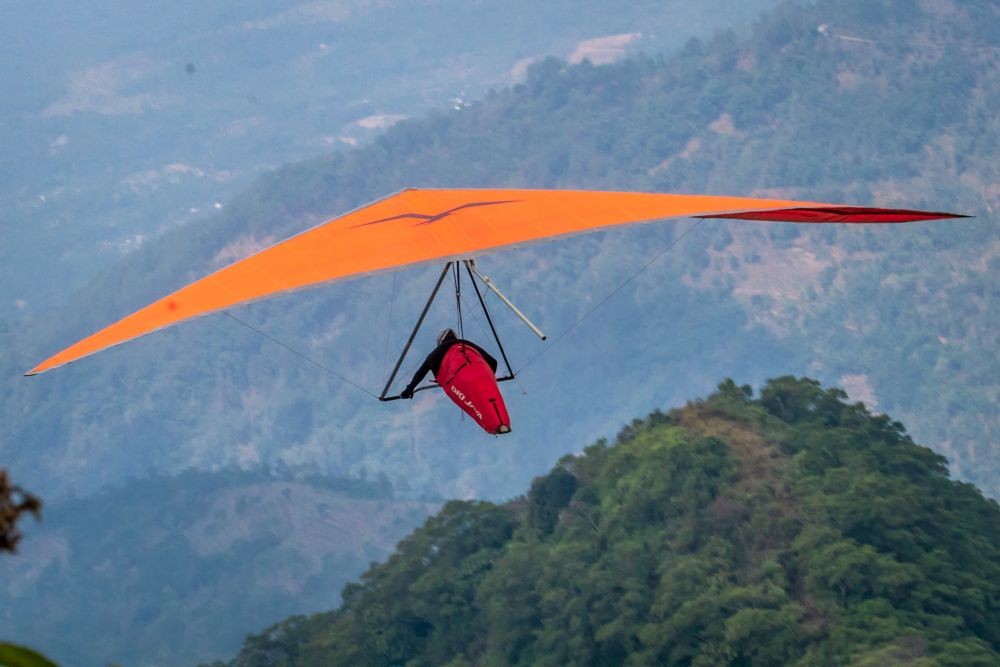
[419, 226]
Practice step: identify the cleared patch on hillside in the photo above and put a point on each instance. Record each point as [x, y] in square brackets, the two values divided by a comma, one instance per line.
[603, 50]
[758, 458]
[860, 388]
[777, 285]
[107, 89]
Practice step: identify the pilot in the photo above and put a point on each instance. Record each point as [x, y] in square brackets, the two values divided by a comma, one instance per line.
[467, 374]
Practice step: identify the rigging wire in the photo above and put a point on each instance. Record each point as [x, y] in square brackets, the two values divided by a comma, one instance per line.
[458, 300]
[388, 326]
[298, 354]
[609, 296]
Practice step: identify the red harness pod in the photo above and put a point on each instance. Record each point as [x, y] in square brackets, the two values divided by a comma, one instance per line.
[469, 381]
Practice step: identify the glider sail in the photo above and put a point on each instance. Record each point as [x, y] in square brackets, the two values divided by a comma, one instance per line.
[419, 226]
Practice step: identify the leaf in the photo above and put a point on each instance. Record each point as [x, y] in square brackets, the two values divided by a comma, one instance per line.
[12, 655]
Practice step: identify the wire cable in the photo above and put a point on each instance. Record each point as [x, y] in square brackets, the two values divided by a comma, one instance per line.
[609, 296]
[388, 327]
[458, 300]
[298, 354]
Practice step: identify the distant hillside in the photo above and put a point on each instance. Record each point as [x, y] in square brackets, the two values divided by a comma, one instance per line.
[168, 571]
[852, 101]
[793, 528]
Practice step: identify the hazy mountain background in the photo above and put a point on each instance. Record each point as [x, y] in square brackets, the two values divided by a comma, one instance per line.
[166, 570]
[888, 103]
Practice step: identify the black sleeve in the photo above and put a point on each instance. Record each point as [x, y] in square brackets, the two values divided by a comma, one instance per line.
[422, 371]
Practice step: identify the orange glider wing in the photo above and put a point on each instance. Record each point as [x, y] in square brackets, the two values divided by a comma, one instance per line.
[418, 226]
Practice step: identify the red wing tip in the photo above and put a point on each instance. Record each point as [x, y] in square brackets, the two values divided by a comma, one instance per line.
[849, 214]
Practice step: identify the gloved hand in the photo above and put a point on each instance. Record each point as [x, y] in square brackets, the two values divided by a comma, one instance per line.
[406, 393]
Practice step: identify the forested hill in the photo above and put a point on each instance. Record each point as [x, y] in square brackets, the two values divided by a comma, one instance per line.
[793, 528]
[855, 101]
